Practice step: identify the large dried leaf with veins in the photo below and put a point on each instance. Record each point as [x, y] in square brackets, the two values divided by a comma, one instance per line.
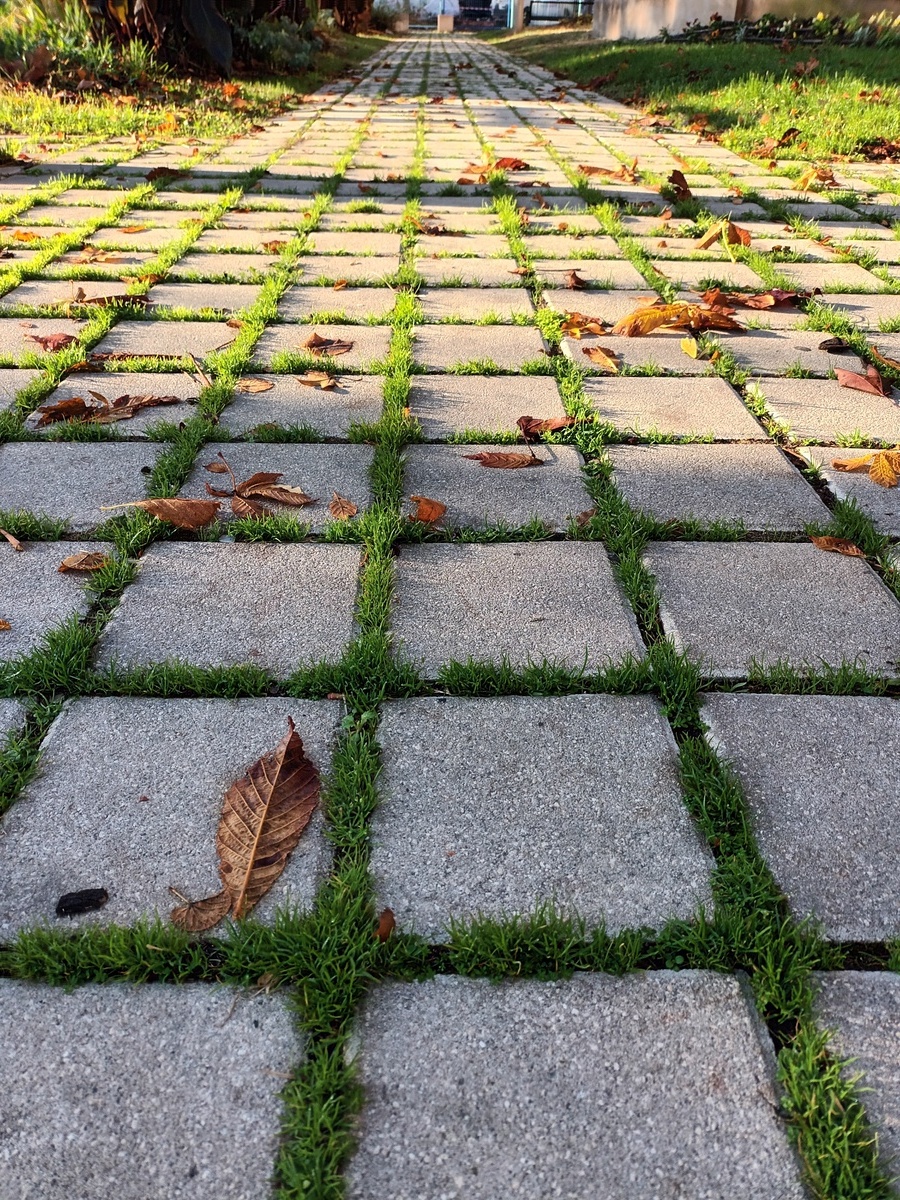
[505, 460]
[185, 514]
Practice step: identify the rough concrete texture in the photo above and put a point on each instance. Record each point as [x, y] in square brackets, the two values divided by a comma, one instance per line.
[445, 404]
[753, 485]
[370, 344]
[478, 496]
[35, 598]
[483, 272]
[648, 1086]
[503, 347]
[560, 245]
[599, 273]
[355, 304]
[17, 335]
[697, 407]
[230, 268]
[45, 291]
[655, 353]
[12, 718]
[73, 481]
[709, 274]
[816, 408]
[12, 382]
[348, 243]
[320, 470]
[572, 799]
[113, 384]
[557, 601]
[222, 297]
[880, 503]
[343, 269]
[270, 605]
[607, 307]
[816, 772]
[486, 245]
[730, 603]
[138, 814]
[155, 1091]
[807, 276]
[177, 338]
[863, 1010]
[866, 311]
[331, 412]
[772, 352]
[475, 304]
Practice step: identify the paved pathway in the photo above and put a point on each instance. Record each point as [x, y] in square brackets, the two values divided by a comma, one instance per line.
[552, 705]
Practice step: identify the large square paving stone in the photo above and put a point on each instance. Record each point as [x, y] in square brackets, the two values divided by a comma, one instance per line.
[775, 351]
[595, 272]
[572, 799]
[221, 297]
[730, 603]
[12, 718]
[863, 1010]
[483, 272]
[526, 602]
[351, 303]
[142, 1092]
[822, 409]
[475, 304]
[370, 345]
[17, 335]
[319, 469]
[35, 597]
[73, 481]
[290, 404]
[652, 1086]
[113, 384]
[479, 496]
[447, 404]
[275, 606]
[505, 348]
[880, 503]
[138, 814]
[753, 485]
[817, 775]
[166, 337]
[656, 403]
[12, 381]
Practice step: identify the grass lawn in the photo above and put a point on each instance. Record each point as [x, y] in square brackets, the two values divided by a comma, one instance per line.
[169, 106]
[745, 92]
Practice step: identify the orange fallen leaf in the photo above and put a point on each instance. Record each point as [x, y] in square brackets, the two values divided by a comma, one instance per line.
[600, 356]
[531, 427]
[341, 508]
[891, 363]
[690, 347]
[871, 382]
[575, 324]
[133, 228]
[184, 514]
[250, 386]
[4, 626]
[428, 511]
[13, 541]
[504, 460]
[339, 285]
[386, 925]
[575, 281]
[838, 545]
[319, 379]
[882, 466]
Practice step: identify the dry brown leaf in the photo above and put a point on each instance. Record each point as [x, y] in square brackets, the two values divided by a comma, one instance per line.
[386, 925]
[853, 464]
[25, 235]
[89, 561]
[885, 469]
[575, 324]
[505, 460]
[341, 508]
[4, 626]
[584, 518]
[428, 511]
[575, 282]
[331, 346]
[249, 387]
[678, 315]
[339, 285]
[892, 363]
[264, 814]
[13, 541]
[838, 545]
[871, 382]
[53, 341]
[319, 379]
[185, 514]
[133, 228]
[680, 185]
[602, 357]
[278, 493]
[532, 427]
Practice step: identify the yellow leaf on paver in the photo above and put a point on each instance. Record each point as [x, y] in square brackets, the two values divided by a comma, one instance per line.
[690, 347]
[853, 464]
[601, 357]
[884, 469]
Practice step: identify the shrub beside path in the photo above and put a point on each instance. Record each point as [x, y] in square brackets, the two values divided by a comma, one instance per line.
[500, 439]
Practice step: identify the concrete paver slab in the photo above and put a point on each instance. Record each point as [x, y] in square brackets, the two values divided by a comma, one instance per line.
[823, 409]
[700, 407]
[475, 304]
[880, 503]
[290, 404]
[370, 346]
[355, 303]
[503, 348]
[464, 272]
[179, 338]
[762, 352]
[19, 336]
[448, 404]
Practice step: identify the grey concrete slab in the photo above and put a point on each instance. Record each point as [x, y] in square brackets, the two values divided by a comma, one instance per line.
[148, 1091]
[35, 598]
[228, 268]
[475, 304]
[765, 352]
[862, 1008]
[290, 404]
[37, 292]
[831, 276]
[12, 718]
[17, 335]
[630, 1089]
[499, 347]
[656, 353]
[564, 245]
[755, 486]
[72, 481]
[607, 307]
[166, 337]
[354, 303]
[825, 410]
[447, 404]
[270, 605]
[868, 311]
[735, 603]
[138, 815]
[12, 381]
[479, 497]
[685, 273]
[320, 470]
[880, 503]
[221, 297]
[597, 273]
[559, 603]
[476, 245]
[370, 345]
[113, 384]
[320, 269]
[552, 814]
[460, 272]
[641, 405]
[816, 773]
[252, 240]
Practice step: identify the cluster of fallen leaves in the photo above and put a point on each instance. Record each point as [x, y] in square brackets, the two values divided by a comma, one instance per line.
[882, 466]
[327, 347]
[99, 410]
[680, 314]
[773, 298]
[626, 173]
[480, 172]
[726, 231]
